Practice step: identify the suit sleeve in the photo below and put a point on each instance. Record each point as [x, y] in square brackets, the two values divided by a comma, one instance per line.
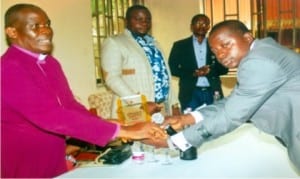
[257, 81]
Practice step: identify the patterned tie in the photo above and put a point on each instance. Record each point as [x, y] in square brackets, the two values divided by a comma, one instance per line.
[159, 70]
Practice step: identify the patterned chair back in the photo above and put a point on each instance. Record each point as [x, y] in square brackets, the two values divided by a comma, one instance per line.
[102, 103]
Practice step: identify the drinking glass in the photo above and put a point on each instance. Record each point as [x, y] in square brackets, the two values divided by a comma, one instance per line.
[167, 158]
[152, 155]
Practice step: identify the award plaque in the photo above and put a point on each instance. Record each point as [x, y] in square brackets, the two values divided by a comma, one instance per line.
[132, 109]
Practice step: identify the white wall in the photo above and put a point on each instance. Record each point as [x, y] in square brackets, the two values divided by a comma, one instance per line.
[171, 20]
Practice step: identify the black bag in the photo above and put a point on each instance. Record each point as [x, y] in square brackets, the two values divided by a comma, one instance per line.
[115, 155]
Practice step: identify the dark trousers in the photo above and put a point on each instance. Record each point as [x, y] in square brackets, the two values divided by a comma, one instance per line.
[200, 96]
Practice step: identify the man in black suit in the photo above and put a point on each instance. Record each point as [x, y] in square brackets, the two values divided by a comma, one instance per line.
[197, 68]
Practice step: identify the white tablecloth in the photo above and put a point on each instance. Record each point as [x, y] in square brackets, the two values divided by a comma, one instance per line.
[246, 152]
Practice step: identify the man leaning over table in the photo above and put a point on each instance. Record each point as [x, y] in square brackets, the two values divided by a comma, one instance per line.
[267, 92]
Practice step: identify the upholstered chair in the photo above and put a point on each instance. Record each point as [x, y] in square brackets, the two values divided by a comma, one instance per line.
[101, 103]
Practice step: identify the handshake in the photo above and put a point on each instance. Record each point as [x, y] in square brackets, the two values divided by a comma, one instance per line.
[155, 132]
[160, 141]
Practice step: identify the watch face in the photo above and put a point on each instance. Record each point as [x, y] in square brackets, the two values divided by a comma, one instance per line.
[157, 118]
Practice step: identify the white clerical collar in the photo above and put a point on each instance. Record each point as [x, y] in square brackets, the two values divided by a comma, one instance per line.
[42, 57]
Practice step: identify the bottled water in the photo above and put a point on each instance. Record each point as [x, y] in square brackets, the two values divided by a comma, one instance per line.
[191, 153]
[217, 96]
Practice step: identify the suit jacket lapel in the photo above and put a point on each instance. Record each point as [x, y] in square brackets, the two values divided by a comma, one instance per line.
[191, 52]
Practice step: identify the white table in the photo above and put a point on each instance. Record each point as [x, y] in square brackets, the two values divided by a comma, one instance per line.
[246, 152]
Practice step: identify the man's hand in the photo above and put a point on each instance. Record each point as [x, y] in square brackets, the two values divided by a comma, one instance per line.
[176, 122]
[142, 130]
[153, 107]
[202, 71]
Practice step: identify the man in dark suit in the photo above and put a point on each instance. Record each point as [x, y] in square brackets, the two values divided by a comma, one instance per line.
[192, 61]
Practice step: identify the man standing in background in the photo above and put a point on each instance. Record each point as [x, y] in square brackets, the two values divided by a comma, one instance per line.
[133, 63]
[197, 68]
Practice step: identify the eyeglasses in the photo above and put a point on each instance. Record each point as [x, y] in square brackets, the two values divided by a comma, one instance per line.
[201, 24]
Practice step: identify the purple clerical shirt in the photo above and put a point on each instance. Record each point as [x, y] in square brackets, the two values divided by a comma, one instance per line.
[38, 111]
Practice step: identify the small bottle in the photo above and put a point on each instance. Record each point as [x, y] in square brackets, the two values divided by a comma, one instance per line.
[190, 153]
[217, 96]
[138, 154]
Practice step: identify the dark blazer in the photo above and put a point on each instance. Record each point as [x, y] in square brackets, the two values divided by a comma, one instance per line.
[183, 63]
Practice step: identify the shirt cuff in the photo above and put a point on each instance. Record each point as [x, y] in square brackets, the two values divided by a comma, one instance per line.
[171, 145]
[180, 142]
[197, 116]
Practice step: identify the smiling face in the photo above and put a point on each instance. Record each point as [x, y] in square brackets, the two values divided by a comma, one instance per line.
[230, 47]
[31, 30]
